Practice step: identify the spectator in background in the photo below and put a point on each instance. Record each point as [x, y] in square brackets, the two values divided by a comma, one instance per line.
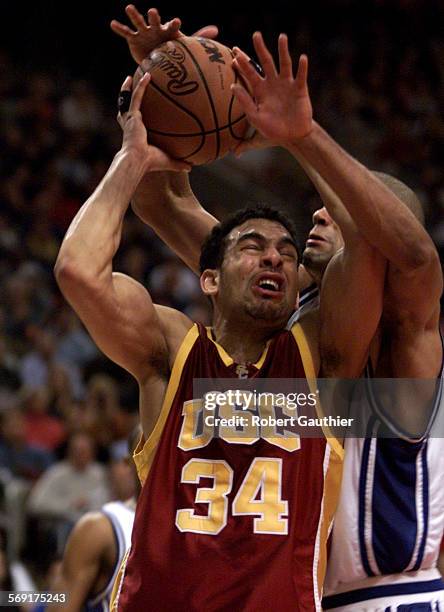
[67, 490]
[27, 299]
[173, 284]
[101, 402]
[73, 486]
[122, 421]
[41, 428]
[9, 378]
[21, 459]
[40, 364]
[80, 109]
[73, 343]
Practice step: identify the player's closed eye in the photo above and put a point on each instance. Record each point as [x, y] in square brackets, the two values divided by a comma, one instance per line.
[288, 255]
[251, 246]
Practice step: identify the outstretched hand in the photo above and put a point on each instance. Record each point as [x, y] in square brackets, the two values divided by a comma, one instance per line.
[149, 35]
[279, 105]
[135, 134]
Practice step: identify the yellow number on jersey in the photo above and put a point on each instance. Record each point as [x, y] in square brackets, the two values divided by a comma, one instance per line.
[263, 479]
[261, 493]
[215, 497]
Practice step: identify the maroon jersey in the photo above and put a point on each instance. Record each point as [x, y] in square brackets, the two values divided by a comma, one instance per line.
[229, 523]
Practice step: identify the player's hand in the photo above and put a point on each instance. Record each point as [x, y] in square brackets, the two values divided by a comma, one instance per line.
[279, 105]
[149, 35]
[134, 132]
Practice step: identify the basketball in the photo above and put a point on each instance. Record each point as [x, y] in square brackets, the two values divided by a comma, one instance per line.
[188, 107]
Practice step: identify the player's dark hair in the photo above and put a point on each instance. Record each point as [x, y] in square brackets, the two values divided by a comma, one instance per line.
[213, 249]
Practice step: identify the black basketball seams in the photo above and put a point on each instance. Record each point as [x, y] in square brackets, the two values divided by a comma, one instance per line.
[210, 97]
[183, 108]
[230, 109]
[201, 133]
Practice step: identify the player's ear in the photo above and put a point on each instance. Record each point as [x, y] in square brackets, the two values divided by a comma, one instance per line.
[209, 282]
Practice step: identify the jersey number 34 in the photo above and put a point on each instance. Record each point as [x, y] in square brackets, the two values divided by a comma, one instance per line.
[259, 495]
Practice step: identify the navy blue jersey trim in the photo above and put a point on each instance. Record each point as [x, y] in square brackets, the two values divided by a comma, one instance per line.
[386, 590]
[425, 506]
[363, 476]
[308, 293]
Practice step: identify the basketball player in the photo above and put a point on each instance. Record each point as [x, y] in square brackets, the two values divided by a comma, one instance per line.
[95, 549]
[249, 269]
[402, 568]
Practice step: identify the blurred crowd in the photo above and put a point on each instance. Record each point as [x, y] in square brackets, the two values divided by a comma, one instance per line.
[65, 411]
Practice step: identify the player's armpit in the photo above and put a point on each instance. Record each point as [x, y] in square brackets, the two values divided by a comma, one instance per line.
[82, 560]
[174, 326]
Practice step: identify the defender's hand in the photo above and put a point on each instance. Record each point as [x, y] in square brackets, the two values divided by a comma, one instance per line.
[279, 105]
[149, 35]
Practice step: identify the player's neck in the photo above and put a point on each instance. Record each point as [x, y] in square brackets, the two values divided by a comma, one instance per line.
[307, 278]
[245, 344]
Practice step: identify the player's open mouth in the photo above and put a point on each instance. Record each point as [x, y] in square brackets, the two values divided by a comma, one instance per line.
[269, 285]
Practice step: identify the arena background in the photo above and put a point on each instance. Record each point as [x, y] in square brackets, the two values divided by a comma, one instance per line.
[376, 79]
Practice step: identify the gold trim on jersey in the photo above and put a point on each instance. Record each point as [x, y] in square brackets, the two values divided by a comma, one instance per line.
[332, 488]
[310, 373]
[144, 452]
[117, 585]
[225, 357]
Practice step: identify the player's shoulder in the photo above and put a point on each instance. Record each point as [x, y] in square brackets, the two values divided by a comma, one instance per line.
[175, 324]
[170, 317]
[93, 529]
[91, 539]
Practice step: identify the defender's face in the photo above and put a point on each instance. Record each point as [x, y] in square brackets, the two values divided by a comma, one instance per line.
[323, 241]
[259, 271]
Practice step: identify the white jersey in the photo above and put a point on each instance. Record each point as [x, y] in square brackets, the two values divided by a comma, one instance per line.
[308, 300]
[390, 518]
[122, 519]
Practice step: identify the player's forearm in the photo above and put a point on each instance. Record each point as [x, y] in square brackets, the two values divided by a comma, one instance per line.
[330, 199]
[166, 202]
[381, 218]
[95, 232]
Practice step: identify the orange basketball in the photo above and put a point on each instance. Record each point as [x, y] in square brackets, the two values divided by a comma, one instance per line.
[188, 107]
